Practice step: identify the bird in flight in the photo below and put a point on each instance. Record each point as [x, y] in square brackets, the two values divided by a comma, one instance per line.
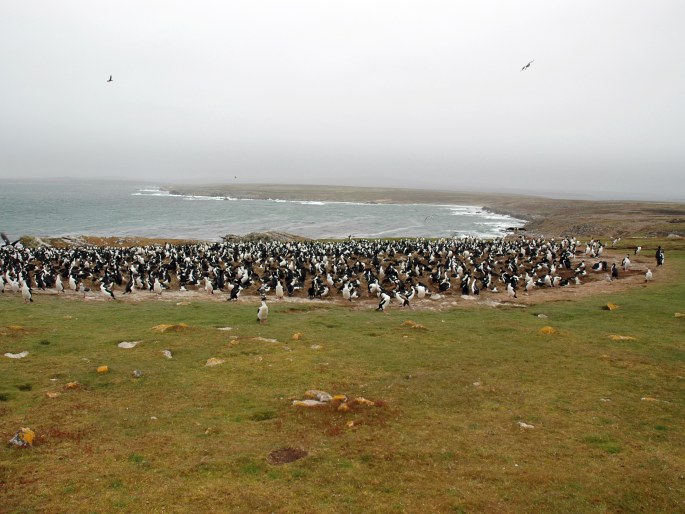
[528, 65]
[110, 79]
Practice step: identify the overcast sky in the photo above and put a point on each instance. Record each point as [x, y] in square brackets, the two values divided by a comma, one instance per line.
[388, 92]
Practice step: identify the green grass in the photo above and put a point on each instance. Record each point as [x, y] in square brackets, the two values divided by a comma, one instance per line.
[186, 436]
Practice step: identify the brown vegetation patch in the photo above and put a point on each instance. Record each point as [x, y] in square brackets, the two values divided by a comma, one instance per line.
[162, 328]
[12, 330]
[286, 455]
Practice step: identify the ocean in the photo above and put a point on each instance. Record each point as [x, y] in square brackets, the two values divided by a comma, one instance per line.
[108, 208]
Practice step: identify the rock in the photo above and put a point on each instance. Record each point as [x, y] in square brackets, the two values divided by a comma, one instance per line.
[167, 353]
[264, 236]
[316, 347]
[542, 316]
[548, 330]
[103, 369]
[129, 344]
[611, 307]
[525, 426]
[20, 355]
[265, 339]
[214, 362]
[23, 438]
[52, 395]
[321, 396]
[679, 315]
[137, 373]
[308, 403]
[297, 336]
[72, 385]
[225, 329]
[360, 400]
[614, 337]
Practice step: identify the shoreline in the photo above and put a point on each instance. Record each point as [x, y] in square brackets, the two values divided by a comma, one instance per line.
[542, 215]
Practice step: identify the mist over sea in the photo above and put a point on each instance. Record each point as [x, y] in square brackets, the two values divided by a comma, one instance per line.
[103, 208]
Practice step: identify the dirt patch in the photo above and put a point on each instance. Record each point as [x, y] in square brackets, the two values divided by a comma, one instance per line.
[285, 455]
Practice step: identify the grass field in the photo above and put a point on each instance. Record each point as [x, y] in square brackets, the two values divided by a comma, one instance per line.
[608, 415]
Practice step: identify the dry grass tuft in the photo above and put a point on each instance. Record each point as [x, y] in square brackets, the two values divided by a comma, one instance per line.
[163, 328]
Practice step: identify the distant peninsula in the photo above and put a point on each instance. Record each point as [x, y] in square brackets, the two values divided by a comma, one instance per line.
[546, 216]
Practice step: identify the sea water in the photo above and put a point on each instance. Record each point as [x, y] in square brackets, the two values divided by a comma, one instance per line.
[108, 208]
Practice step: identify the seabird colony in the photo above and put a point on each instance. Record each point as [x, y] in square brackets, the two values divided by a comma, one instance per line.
[390, 271]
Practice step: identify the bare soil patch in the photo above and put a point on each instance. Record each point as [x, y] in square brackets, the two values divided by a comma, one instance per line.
[285, 455]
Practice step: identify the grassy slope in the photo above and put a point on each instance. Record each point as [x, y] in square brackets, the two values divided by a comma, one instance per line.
[437, 443]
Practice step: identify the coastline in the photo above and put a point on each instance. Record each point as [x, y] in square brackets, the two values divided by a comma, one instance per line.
[543, 216]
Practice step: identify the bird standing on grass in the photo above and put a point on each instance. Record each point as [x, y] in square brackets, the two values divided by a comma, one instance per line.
[263, 311]
[26, 293]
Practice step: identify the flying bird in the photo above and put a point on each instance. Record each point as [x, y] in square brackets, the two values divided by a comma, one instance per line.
[110, 79]
[528, 65]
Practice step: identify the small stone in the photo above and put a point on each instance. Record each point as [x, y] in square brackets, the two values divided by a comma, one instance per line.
[308, 403]
[137, 373]
[615, 337]
[128, 344]
[167, 353]
[103, 369]
[321, 396]
[214, 362]
[23, 438]
[20, 355]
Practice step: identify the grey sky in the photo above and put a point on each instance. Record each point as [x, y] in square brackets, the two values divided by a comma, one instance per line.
[406, 94]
